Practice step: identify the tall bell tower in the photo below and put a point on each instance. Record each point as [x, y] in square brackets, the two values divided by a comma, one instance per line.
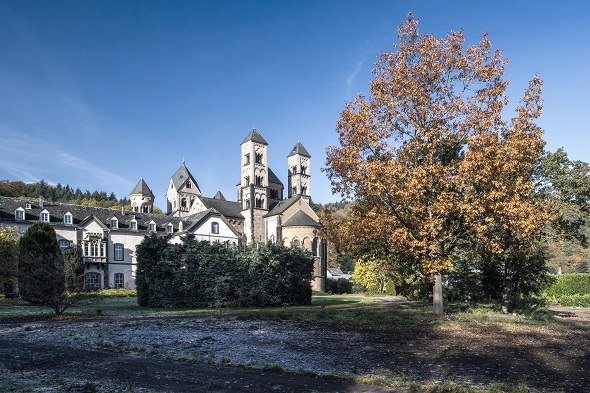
[299, 163]
[254, 185]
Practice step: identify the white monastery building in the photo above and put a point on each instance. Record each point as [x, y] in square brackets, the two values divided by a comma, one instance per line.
[107, 238]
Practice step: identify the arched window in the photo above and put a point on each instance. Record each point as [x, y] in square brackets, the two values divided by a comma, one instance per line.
[259, 158]
[294, 170]
[188, 184]
[247, 204]
[314, 247]
[183, 203]
[295, 243]
[303, 190]
[303, 170]
[247, 180]
[215, 227]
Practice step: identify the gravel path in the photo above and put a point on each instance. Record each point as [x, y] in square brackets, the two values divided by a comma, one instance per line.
[553, 357]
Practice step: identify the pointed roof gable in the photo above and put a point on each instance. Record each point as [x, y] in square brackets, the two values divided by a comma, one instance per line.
[219, 196]
[272, 178]
[299, 149]
[301, 219]
[142, 188]
[254, 136]
[181, 175]
[283, 205]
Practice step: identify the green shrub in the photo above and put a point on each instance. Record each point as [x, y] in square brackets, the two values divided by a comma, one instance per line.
[572, 300]
[570, 290]
[117, 292]
[339, 286]
[570, 284]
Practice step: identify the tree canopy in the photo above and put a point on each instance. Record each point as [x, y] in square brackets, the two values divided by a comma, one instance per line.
[429, 159]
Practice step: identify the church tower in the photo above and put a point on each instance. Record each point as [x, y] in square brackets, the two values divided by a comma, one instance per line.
[253, 186]
[142, 198]
[182, 192]
[299, 161]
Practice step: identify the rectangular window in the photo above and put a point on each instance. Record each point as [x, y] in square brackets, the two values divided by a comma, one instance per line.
[114, 224]
[169, 229]
[152, 227]
[119, 252]
[63, 244]
[119, 280]
[20, 215]
[68, 219]
[247, 159]
[44, 217]
[133, 225]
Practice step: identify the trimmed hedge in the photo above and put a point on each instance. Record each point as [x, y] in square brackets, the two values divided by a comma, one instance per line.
[200, 274]
[339, 286]
[571, 290]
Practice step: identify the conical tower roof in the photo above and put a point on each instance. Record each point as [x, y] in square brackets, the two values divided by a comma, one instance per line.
[299, 149]
[254, 136]
[141, 188]
[219, 196]
[180, 176]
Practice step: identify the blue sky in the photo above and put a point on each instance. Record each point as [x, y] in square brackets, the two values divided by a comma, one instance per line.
[100, 93]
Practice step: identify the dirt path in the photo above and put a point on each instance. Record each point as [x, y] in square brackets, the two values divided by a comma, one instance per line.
[136, 372]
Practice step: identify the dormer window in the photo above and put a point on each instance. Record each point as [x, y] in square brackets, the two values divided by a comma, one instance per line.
[19, 214]
[133, 225]
[152, 226]
[215, 227]
[68, 218]
[44, 216]
[28, 206]
[169, 228]
[114, 223]
[180, 226]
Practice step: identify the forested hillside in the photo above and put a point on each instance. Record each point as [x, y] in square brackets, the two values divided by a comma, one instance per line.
[63, 194]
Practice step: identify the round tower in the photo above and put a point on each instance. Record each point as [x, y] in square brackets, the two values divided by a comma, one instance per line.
[142, 198]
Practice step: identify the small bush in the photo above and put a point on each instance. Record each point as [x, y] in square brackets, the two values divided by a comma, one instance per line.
[117, 292]
[339, 286]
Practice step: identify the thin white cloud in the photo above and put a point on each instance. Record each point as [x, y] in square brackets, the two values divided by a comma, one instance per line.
[350, 79]
[30, 159]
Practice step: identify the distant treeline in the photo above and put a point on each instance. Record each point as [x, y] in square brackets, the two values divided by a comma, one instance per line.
[59, 193]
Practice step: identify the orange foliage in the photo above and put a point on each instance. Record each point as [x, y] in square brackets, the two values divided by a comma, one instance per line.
[428, 157]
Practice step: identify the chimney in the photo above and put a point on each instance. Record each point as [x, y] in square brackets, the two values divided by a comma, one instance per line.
[41, 202]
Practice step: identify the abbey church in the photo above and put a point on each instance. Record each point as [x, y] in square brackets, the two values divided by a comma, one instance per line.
[260, 214]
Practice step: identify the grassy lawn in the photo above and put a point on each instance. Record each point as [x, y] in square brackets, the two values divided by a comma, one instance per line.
[347, 310]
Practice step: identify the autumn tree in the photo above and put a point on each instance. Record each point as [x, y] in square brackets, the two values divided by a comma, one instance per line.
[402, 151]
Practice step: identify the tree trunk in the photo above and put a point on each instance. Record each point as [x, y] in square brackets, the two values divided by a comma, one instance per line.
[437, 297]
[507, 295]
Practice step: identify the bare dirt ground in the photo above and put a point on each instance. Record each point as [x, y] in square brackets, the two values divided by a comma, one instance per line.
[229, 354]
